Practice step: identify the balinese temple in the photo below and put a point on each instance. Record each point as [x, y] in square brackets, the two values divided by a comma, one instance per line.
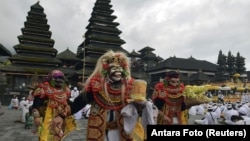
[102, 35]
[4, 51]
[35, 56]
[69, 61]
[4, 55]
[191, 70]
[149, 58]
[134, 56]
[140, 62]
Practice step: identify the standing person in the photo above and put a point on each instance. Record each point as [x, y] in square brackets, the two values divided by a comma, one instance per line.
[24, 106]
[14, 104]
[220, 97]
[168, 97]
[74, 93]
[139, 112]
[51, 111]
[244, 97]
[107, 89]
[29, 119]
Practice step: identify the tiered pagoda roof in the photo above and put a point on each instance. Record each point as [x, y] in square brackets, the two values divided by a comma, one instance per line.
[134, 54]
[4, 51]
[102, 35]
[147, 54]
[35, 50]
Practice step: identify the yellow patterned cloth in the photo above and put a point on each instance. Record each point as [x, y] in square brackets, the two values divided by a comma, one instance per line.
[45, 134]
[138, 132]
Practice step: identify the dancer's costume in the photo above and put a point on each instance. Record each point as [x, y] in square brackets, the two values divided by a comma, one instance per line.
[49, 103]
[107, 89]
[170, 100]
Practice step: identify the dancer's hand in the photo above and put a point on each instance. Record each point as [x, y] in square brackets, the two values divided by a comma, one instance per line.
[166, 119]
[56, 126]
[37, 121]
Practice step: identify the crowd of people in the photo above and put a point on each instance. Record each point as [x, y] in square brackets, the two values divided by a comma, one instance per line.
[118, 108]
[228, 113]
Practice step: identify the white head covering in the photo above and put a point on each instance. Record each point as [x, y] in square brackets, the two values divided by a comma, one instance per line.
[229, 106]
[210, 107]
[242, 111]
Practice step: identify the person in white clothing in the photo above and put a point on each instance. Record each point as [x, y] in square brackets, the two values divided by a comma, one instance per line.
[242, 119]
[138, 113]
[86, 111]
[14, 103]
[229, 113]
[220, 97]
[200, 110]
[192, 110]
[217, 110]
[25, 109]
[211, 117]
[74, 93]
[244, 97]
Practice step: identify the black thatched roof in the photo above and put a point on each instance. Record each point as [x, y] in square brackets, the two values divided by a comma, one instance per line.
[67, 55]
[4, 51]
[134, 54]
[185, 64]
[147, 48]
[33, 69]
[200, 76]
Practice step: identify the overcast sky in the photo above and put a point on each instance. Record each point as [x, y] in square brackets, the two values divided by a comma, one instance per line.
[181, 28]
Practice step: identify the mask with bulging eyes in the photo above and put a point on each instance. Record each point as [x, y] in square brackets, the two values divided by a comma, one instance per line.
[57, 79]
[116, 73]
[174, 81]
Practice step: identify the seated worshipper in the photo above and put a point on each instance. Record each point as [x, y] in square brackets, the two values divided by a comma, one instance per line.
[229, 113]
[217, 109]
[51, 110]
[200, 109]
[211, 117]
[192, 111]
[138, 113]
[243, 118]
[246, 105]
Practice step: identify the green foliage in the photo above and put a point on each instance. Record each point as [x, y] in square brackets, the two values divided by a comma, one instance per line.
[230, 64]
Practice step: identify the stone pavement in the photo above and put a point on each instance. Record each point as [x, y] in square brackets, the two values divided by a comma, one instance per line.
[12, 131]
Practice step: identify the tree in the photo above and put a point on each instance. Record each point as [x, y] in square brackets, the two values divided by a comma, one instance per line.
[240, 64]
[222, 65]
[231, 64]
